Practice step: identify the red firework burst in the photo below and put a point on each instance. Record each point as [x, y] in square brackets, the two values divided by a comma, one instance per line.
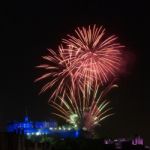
[94, 57]
[83, 61]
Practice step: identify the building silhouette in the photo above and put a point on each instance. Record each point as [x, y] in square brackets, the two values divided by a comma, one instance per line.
[37, 128]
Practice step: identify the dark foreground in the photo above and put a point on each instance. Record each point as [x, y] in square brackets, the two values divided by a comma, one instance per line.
[20, 142]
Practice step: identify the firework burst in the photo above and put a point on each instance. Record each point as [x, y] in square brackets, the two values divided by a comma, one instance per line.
[85, 60]
[95, 57]
[84, 110]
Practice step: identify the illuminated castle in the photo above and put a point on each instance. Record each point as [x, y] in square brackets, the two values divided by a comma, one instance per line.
[38, 128]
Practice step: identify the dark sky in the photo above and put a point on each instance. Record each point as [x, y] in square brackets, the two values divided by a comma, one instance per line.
[28, 28]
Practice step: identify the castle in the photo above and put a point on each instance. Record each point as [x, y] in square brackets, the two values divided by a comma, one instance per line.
[37, 128]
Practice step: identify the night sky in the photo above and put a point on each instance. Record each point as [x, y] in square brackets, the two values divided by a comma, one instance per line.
[29, 28]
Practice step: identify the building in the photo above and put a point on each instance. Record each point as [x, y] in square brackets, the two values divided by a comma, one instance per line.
[122, 143]
[37, 128]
